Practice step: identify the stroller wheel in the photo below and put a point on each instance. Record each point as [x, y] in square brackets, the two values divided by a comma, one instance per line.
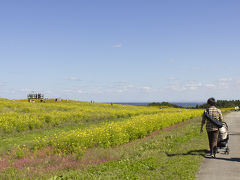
[227, 151]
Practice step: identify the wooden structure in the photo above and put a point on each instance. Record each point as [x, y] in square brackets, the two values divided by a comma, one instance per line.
[35, 96]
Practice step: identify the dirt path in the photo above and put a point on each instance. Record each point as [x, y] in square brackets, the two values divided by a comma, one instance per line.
[225, 167]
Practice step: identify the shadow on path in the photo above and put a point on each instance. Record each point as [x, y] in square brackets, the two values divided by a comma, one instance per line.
[201, 152]
[234, 134]
[229, 159]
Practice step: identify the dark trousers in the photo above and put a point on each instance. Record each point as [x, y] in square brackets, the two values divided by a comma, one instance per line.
[213, 139]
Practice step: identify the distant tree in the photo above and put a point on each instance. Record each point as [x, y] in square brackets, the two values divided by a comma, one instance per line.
[164, 104]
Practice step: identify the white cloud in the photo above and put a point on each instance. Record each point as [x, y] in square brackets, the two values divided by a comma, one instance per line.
[223, 88]
[117, 45]
[12, 91]
[176, 90]
[238, 82]
[96, 91]
[192, 85]
[176, 86]
[184, 86]
[210, 85]
[80, 91]
[68, 91]
[118, 91]
[47, 92]
[2, 83]
[225, 79]
[120, 87]
[147, 88]
[172, 79]
[225, 82]
[120, 83]
[110, 88]
[73, 79]
[26, 90]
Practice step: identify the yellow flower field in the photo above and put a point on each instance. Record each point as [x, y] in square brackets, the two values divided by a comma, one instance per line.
[115, 124]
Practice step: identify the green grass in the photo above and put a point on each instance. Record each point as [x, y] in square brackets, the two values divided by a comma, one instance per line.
[173, 154]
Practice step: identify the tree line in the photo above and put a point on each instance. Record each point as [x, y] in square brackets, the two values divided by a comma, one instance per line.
[162, 104]
[222, 104]
[219, 104]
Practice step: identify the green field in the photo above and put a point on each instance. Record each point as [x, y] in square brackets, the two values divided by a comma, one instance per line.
[80, 140]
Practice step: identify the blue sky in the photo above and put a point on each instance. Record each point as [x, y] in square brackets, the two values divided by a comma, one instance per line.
[118, 51]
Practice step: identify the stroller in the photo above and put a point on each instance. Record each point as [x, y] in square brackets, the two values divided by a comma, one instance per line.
[223, 138]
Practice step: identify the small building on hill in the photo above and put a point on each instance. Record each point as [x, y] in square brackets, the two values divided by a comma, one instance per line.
[35, 96]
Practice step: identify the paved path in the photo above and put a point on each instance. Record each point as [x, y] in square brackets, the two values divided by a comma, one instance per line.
[225, 167]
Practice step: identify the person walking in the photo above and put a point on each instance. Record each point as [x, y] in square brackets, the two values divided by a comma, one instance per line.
[212, 129]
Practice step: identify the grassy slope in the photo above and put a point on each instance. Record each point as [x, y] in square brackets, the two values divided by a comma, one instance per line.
[173, 154]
